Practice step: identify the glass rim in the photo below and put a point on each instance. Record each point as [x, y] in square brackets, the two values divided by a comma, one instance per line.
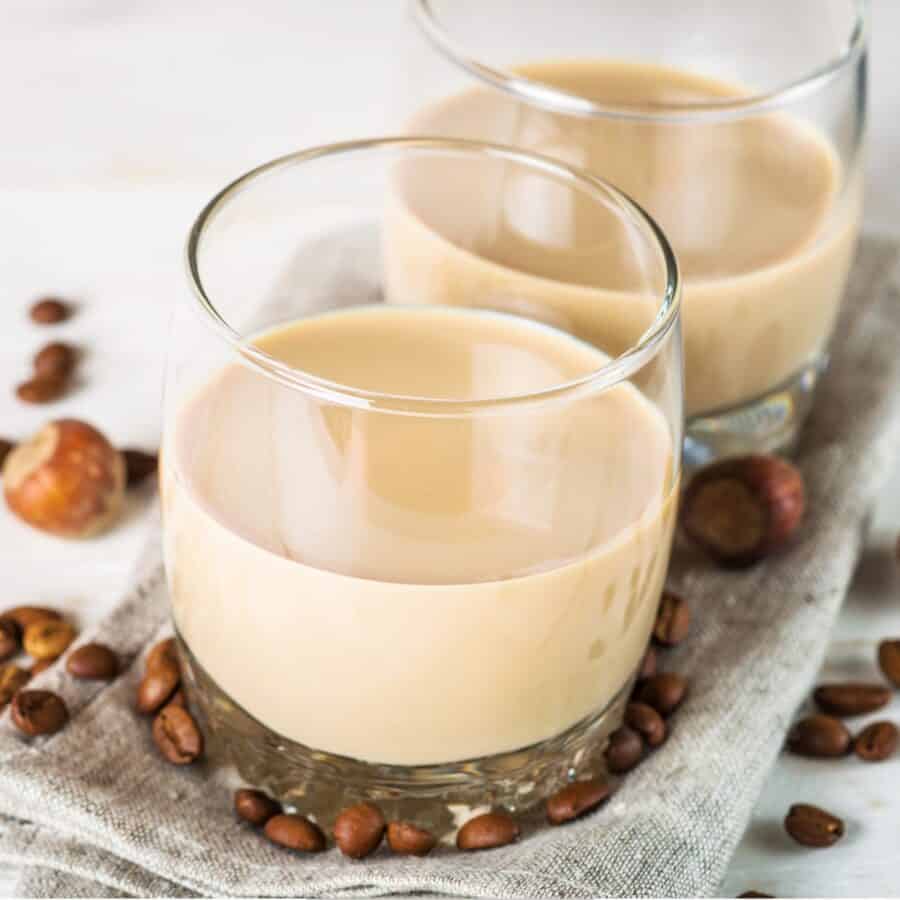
[559, 101]
[611, 373]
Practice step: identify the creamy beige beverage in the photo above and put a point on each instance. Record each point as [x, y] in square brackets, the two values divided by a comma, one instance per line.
[415, 590]
[762, 216]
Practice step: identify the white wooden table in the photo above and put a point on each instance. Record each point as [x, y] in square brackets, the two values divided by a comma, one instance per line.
[119, 119]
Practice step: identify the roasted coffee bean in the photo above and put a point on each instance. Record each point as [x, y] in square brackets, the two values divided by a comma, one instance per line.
[358, 830]
[56, 360]
[24, 616]
[49, 311]
[5, 449]
[41, 389]
[157, 686]
[178, 699]
[95, 662]
[876, 742]
[648, 664]
[48, 639]
[647, 722]
[577, 799]
[812, 826]
[672, 621]
[38, 712]
[12, 679]
[10, 639]
[489, 830]
[756, 894]
[295, 833]
[177, 736]
[165, 652]
[409, 839]
[624, 750]
[139, 465]
[664, 692]
[851, 698]
[889, 660]
[820, 736]
[255, 807]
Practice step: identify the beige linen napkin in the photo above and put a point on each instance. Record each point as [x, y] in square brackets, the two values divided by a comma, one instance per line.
[93, 811]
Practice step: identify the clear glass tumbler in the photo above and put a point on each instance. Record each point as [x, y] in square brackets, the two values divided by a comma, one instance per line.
[416, 529]
[739, 125]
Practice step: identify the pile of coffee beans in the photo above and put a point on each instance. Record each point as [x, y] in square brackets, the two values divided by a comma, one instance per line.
[175, 731]
[44, 635]
[358, 831]
[54, 364]
[656, 694]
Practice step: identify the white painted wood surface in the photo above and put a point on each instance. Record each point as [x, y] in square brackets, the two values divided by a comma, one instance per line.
[120, 117]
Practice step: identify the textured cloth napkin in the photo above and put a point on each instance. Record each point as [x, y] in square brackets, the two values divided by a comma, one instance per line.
[93, 811]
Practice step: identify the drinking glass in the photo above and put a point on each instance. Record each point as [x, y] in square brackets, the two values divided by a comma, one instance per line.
[739, 125]
[416, 528]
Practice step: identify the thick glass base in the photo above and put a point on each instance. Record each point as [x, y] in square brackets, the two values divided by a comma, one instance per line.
[438, 797]
[767, 424]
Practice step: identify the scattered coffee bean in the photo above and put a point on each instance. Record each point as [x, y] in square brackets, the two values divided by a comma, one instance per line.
[56, 360]
[852, 698]
[889, 660]
[577, 799]
[756, 894]
[42, 389]
[41, 666]
[157, 686]
[49, 311]
[648, 664]
[12, 679]
[812, 826]
[5, 449]
[664, 692]
[876, 742]
[358, 830]
[139, 465]
[48, 639]
[489, 830]
[819, 736]
[624, 751]
[95, 662]
[10, 639]
[255, 807]
[647, 722]
[165, 652]
[295, 833]
[741, 510]
[38, 712]
[410, 840]
[177, 736]
[672, 621]
[24, 616]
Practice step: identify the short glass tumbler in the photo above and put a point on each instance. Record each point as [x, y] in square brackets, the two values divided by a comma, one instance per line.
[415, 544]
[739, 125]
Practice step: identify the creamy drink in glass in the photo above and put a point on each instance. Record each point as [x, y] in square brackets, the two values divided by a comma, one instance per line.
[739, 126]
[414, 551]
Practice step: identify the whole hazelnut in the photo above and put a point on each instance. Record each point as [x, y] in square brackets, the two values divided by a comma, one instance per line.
[741, 510]
[67, 480]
